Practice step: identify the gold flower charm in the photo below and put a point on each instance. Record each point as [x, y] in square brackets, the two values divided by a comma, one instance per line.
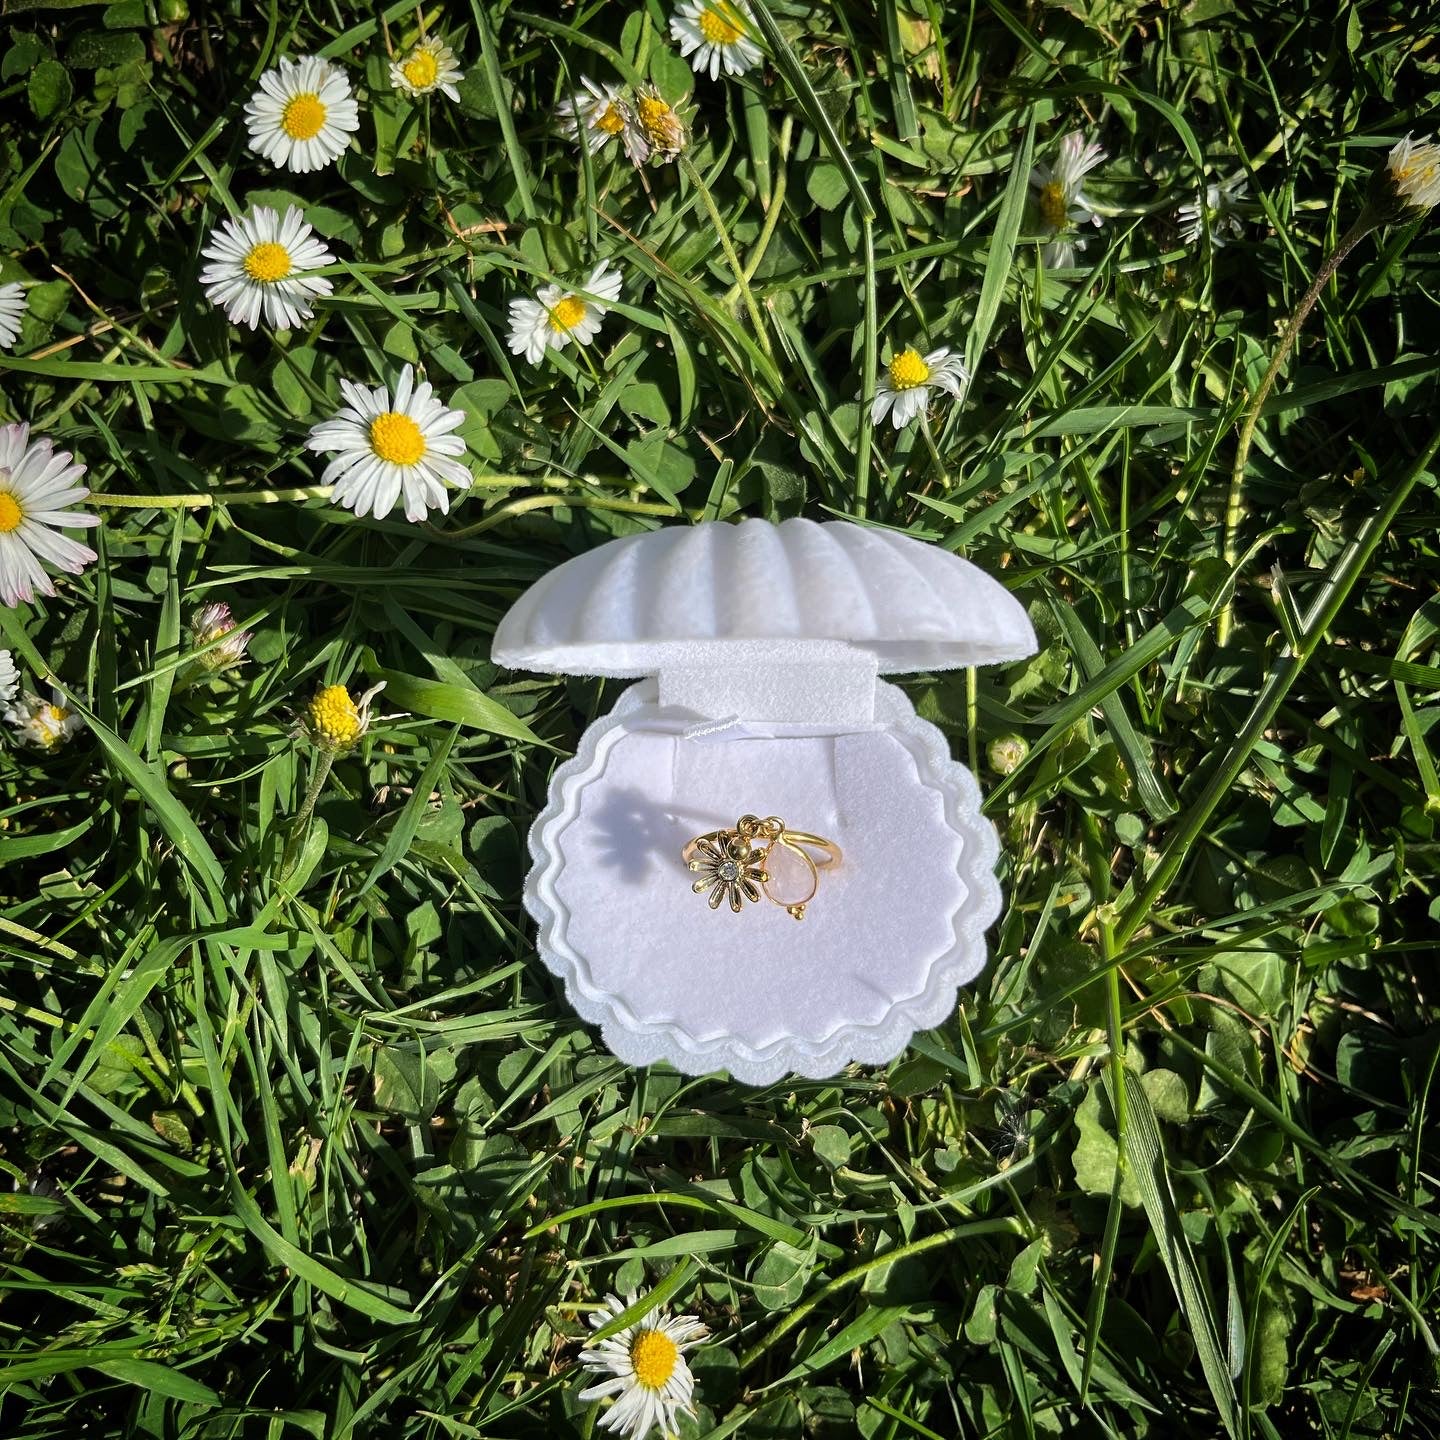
[732, 864]
[729, 868]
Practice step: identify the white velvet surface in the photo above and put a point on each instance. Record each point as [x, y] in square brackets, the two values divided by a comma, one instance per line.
[759, 977]
[787, 681]
[689, 594]
[885, 942]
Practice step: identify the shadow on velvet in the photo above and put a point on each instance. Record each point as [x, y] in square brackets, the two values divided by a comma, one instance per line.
[634, 834]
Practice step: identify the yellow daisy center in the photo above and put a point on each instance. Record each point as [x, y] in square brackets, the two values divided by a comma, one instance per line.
[652, 1357]
[50, 720]
[421, 69]
[10, 513]
[1053, 209]
[612, 122]
[397, 438]
[333, 717]
[908, 369]
[304, 116]
[1419, 170]
[566, 314]
[268, 262]
[657, 119]
[719, 27]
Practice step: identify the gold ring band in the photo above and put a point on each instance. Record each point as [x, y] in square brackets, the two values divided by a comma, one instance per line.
[733, 864]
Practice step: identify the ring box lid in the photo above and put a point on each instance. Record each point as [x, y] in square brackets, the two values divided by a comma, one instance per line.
[721, 594]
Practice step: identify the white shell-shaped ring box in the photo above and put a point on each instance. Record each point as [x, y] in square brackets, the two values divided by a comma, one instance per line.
[758, 650]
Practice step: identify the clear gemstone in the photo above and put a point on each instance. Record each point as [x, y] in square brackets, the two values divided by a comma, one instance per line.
[729, 870]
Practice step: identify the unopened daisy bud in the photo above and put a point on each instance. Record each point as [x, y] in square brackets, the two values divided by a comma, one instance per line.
[42, 724]
[1408, 183]
[219, 642]
[9, 678]
[1007, 754]
[657, 124]
[335, 722]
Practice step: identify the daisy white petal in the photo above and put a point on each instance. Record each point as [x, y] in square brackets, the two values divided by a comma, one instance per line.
[9, 677]
[12, 307]
[261, 266]
[36, 490]
[646, 1369]
[1410, 177]
[716, 35]
[42, 724]
[597, 114]
[556, 316]
[1060, 200]
[1060, 254]
[388, 449]
[1214, 214]
[302, 116]
[430, 66]
[903, 390]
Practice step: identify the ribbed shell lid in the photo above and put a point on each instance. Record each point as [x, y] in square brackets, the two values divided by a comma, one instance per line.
[684, 594]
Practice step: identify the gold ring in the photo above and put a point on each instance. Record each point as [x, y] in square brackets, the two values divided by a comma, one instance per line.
[732, 864]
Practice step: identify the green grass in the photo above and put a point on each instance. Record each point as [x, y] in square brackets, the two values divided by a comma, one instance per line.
[321, 1150]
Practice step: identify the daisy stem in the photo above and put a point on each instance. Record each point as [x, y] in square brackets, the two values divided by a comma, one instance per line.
[930, 445]
[772, 211]
[205, 500]
[527, 503]
[732, 258]
[323, 761]
[1366, 222]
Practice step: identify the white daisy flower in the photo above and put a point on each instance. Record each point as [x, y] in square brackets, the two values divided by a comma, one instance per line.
[556, 316]
[12, 307]
[385, 449]
[9, 677]
[1214, 213]
[430, 66]
[37, 483]
[260, 267]
[214, 626]
[42, 724]
[646, 1365]
[1060, 197]
[302, 116]
[715, 34]
[905, 384]
[598, 114]
[1413, 171]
